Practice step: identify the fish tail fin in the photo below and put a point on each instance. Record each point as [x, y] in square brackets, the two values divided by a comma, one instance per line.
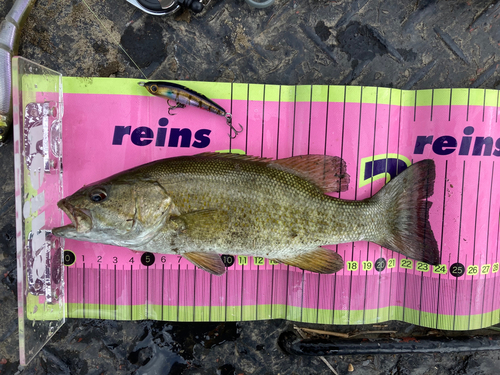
[406, 213]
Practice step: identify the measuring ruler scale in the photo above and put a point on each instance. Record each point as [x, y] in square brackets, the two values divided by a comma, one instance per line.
[378, 132]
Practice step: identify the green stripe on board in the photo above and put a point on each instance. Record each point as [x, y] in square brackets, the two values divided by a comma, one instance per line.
[249, 313]
[278, 311]
[309, 315]
[459, 96]
[202, 313]
[461, 323]
[240, 91]
[300, 93]
[442, 97]
[477, 97]
[475, 322]
[170, 313]
[304, 93]
[233, 313]
[424, 98]
[256, 92]
[287, 94]
[491, 98]
[129, 86]
[320, 93]
[353, 94]
[337, 94]
[396, 97]
[272, 93]
[218, 313]
[408, 98]
[292, 313]
[186, 314]
[369, 95]
[384, 95]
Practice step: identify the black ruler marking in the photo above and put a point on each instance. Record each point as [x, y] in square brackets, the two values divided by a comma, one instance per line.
[302, 296]
[356, 190]
[115, 288]
[210, 300]
[84, 288]
[246, 130]
[442, 239]
[449, 110]
[317, 299]
[310, 120]
[178, 287]
[458, 248]
[162, 290]
[468, 102]
[99, 288]
[326, 117]
[241, 299]
[484, 104]
[294, 113]
[194, 292]
[263, 121]
[488, 239]
[474, 240]
[147, 292]
[131, 293]
[279, 123]
[432, 103]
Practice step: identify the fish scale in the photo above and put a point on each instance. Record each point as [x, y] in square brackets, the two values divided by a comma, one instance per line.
[209, 204]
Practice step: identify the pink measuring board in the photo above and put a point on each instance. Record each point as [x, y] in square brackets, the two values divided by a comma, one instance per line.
[113, 124]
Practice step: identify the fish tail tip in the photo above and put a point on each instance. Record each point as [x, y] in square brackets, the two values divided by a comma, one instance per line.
[407, 213]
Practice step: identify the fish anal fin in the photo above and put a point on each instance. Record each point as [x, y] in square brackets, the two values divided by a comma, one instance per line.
[209, 262]
[329, 173]
[320, 260]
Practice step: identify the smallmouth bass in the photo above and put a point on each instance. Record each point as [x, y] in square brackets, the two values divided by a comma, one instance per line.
[209, 204]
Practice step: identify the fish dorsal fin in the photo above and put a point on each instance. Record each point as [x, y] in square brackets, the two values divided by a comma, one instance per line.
[209, 262]
[320, 260]
[329, 173]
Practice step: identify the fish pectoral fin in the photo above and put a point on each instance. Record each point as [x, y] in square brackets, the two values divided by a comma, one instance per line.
[209, 262]
[329, 173]
[319, 260]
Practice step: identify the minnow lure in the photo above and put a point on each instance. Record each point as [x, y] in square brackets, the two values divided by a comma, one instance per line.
[185, 96]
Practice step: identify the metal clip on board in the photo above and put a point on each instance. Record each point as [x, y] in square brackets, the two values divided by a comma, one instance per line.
[166, 7]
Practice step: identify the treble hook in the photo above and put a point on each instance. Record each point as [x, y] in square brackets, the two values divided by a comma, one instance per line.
[172, 107]
[229, 121]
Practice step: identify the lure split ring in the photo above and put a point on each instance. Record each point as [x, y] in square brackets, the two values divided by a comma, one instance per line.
[184, 96]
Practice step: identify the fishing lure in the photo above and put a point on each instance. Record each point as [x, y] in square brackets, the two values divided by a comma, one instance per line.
[184, 96]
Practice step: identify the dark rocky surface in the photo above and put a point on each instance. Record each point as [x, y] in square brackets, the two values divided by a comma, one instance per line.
[389, 43]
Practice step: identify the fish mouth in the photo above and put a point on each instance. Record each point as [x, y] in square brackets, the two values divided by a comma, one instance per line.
[81, 220]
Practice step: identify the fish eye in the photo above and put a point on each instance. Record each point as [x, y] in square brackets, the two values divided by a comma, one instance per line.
[98, 195]
[154, 88]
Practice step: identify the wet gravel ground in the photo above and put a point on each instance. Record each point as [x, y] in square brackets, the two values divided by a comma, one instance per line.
[394, 43]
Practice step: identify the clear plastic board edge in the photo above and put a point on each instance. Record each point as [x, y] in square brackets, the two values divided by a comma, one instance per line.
[38, 109]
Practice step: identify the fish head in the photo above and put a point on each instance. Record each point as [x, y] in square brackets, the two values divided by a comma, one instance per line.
[123, 213]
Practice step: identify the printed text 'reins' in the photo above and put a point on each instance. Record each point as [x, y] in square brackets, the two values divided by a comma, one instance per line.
[468, 145]
[143, 136]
